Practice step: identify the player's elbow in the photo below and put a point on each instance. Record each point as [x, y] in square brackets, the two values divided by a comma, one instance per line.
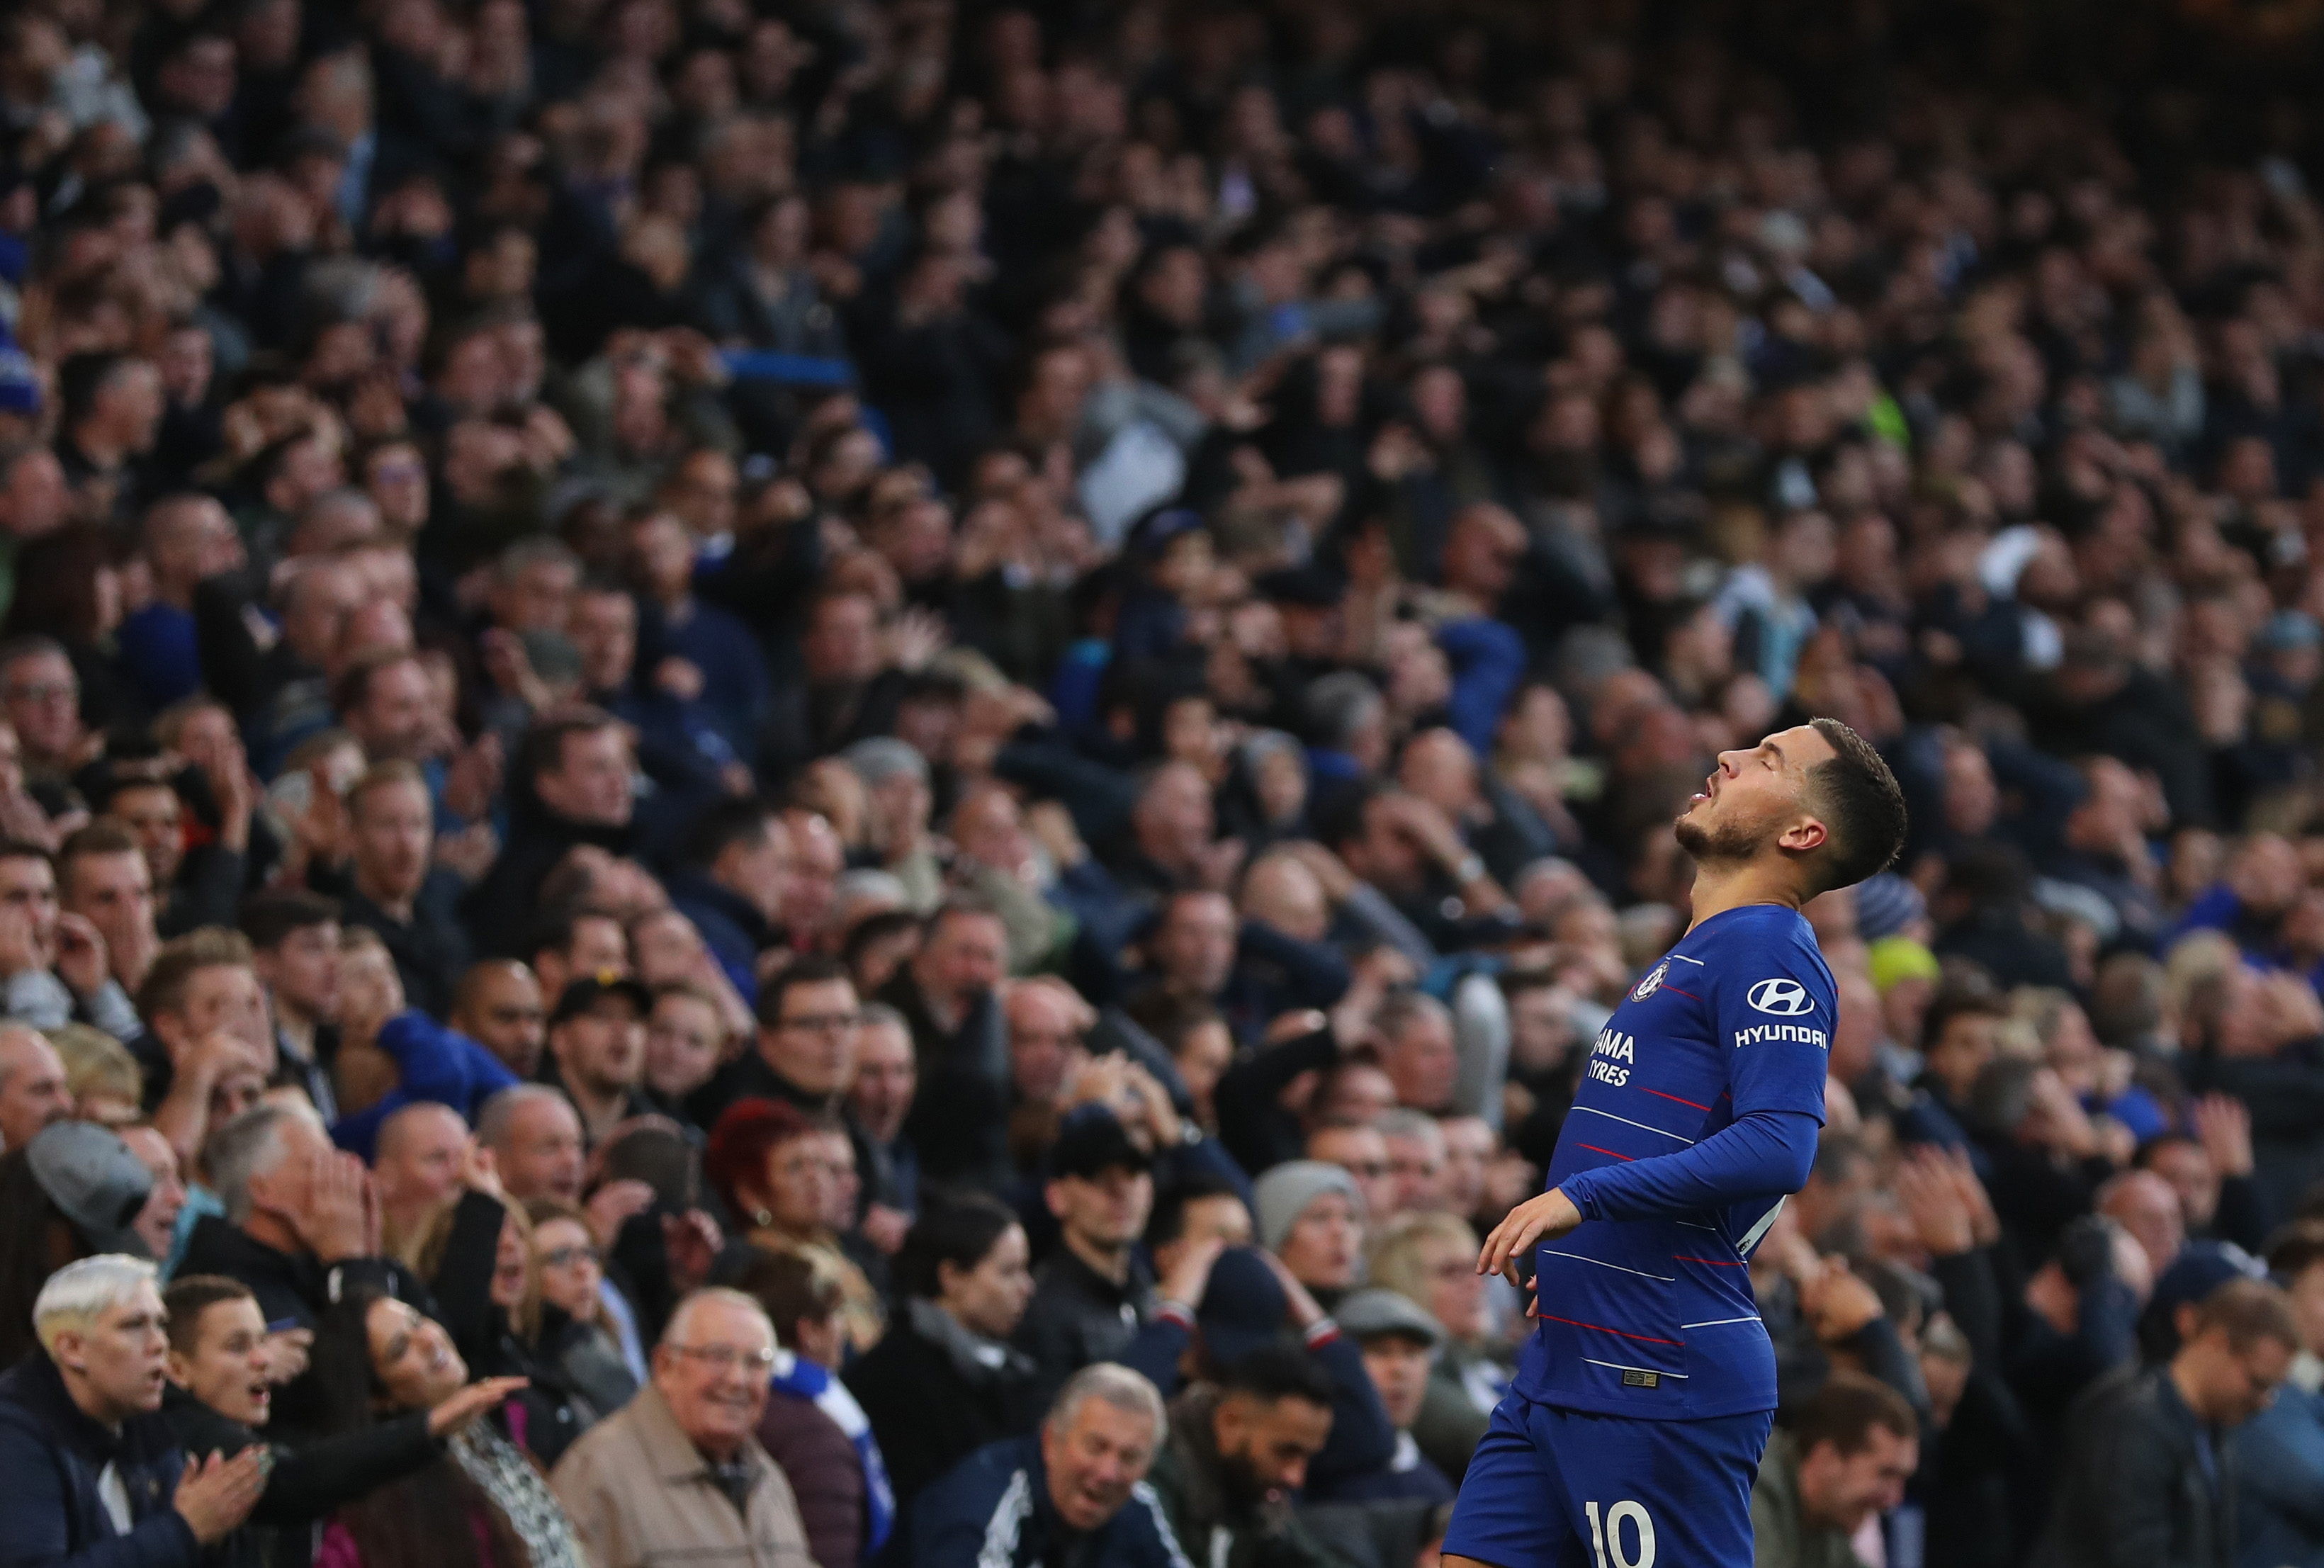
[1791, 1150]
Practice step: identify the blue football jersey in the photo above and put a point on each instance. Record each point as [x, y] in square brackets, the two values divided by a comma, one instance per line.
[1647, 1309]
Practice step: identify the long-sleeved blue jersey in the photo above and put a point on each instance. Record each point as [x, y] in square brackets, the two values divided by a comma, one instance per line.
[1698, 1113]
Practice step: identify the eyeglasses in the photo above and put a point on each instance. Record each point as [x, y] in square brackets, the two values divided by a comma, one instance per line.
[728, 1358]
[566, 1257]
[825, 1023]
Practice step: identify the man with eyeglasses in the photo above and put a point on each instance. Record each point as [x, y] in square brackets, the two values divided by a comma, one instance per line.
[804, 1052]
[679, 1471]
[40, 696]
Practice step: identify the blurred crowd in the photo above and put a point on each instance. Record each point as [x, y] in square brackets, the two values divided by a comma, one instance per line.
[843, 780]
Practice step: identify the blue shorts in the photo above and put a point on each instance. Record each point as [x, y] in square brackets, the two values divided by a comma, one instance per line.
[1551, 1488]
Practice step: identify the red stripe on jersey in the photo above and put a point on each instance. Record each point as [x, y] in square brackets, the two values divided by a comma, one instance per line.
[1679, 1098]
[1602, 1329]
[1688, 994]
[1610, 1153]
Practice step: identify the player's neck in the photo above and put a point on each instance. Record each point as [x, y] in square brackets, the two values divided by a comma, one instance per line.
[1723, 885]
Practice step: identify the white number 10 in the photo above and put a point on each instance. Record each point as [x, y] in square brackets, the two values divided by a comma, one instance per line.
[1606, 1541]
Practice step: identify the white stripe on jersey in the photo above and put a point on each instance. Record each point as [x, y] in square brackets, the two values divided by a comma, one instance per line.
[1626, 1121]
[1578, 1258]
[1752, 1236]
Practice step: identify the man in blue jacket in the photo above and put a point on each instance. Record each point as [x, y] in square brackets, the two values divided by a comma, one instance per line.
[95, 1476]
[1076, 1489]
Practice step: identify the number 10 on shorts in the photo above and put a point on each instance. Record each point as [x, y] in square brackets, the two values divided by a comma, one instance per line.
[1606, 1540]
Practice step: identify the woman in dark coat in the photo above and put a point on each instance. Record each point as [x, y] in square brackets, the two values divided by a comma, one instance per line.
[946, 1381]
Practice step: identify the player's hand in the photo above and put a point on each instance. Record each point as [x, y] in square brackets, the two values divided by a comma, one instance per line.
[1530, 1224]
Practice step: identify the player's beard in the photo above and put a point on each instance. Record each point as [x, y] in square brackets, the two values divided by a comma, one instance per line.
[1716, 841]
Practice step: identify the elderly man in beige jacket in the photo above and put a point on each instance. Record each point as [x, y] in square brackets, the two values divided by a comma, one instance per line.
[676, 1476]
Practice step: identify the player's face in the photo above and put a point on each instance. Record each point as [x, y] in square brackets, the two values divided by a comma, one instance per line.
[1752, 796]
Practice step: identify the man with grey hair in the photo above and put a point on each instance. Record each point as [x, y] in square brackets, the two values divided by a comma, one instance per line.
[32, 1091]
[301, 1228]
[679, 1471]
[96, 1479]
[1075, 1491]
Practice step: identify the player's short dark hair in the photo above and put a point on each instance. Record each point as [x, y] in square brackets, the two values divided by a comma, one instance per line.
[1861, 804]
[1845, 1411]
[1273, 1373]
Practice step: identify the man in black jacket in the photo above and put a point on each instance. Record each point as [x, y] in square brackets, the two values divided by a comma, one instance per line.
[1095, 1297]
[573, 783]
[2147, 1478]
[294, 1228]
[960, 1114]
[94, 1477]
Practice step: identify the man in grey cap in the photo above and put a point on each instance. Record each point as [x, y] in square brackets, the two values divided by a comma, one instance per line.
[896, 777]
[1400, 1340]
[96, 1182]
[1312, 1216]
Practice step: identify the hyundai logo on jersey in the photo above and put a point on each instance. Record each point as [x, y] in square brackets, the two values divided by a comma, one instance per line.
[1784, 998]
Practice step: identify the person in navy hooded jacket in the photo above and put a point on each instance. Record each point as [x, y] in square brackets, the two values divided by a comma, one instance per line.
[96, 1479]
[1075, 1491]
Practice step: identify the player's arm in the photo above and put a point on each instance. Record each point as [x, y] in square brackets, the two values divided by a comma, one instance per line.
[1778, 1056]
[1766, 1151]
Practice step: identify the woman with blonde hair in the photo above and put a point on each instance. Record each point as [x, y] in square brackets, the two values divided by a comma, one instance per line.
[476, 1256]
[1431, 1260]
[576, 1333]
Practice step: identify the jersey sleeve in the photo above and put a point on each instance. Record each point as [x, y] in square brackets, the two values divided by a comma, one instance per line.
[1775, 1010]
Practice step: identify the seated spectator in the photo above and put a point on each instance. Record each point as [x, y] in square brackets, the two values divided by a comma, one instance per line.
[577, 1335]
[814, 1428]
[1238, 1452]
[1400, 1340]
[103, 877]
[686, 1041]
[293, 1227]
[220, 1366]
[570, 942]
[74, 1192]
[943, 1382]
[2149, 1473]
[1074, 1487]
[768, 1163]
[54, 969]
[2279, 1455]
[498, 1005]
[418, 1163]
[95, 1475]
[34, 1088]
[597, 1051]
[1094, 1299]
[397, 890]
[808, 1021]
[294, 949]
[535, 1136]
[1362, 1150]
[735, 874]
[1431, 1260]
[679, 1471]
[1312, 1216]
[103, 1081]
[1846, 1458]
[477, 1498]
[209, 1044]
[945, 994]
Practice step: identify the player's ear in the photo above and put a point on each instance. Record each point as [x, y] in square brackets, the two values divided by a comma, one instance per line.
[1804, 836]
